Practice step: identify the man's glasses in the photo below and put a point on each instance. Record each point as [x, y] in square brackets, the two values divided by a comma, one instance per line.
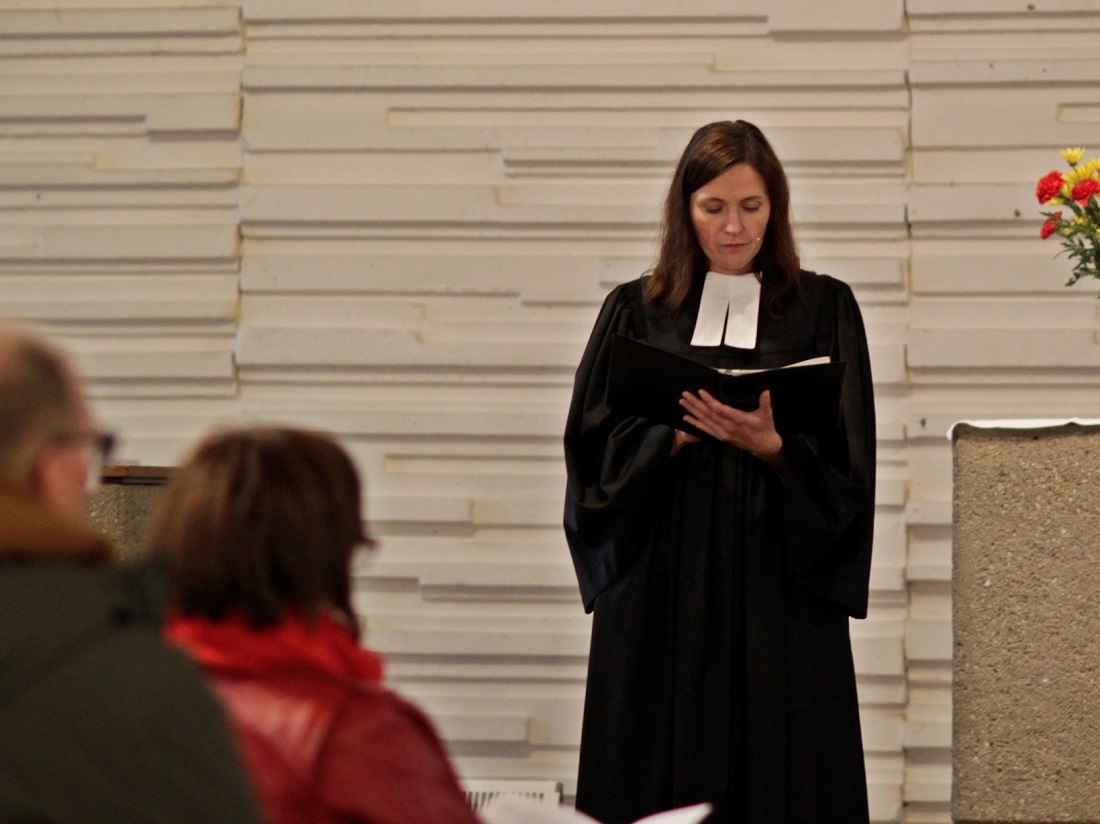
[100, 446]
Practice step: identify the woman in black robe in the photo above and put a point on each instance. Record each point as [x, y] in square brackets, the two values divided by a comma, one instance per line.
[722, 566]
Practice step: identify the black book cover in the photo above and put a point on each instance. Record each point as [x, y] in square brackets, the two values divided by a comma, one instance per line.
[649, 382]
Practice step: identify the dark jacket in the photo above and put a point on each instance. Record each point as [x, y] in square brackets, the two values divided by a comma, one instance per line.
[100, 720]
[325, 742]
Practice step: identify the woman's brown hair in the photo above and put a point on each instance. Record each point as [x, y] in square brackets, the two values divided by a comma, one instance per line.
[261, 520]
[681, 263]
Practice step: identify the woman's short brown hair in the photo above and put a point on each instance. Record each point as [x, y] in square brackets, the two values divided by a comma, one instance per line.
[260, 520]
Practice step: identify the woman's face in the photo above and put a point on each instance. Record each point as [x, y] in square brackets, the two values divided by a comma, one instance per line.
[730, 214]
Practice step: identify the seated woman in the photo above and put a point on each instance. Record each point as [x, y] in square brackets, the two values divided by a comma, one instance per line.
[258, 528]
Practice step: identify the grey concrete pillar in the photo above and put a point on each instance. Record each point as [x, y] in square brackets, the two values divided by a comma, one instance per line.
[123, 504]
[1026, 624]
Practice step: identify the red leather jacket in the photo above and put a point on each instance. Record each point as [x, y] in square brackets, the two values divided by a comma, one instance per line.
[324, 741]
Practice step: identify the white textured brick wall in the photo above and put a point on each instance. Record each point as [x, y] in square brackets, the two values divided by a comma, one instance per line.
[997, 89]
[396, 222]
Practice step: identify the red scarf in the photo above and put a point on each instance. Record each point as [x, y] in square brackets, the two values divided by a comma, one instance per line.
[230, 645]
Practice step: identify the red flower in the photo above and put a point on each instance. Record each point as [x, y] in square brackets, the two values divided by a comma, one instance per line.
[1084, 190]
[1049, 187]
[1051, 226]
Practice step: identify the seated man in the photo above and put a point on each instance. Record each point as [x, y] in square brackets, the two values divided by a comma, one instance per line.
[100, 721]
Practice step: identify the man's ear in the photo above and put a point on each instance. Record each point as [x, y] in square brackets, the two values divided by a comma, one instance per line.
[50, 480]
[58, 482]
[42, 474]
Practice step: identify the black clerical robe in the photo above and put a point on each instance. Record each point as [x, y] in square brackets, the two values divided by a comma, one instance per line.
[721, 666]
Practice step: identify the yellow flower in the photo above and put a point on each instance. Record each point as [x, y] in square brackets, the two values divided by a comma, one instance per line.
[1079, 173]
[1073, 155]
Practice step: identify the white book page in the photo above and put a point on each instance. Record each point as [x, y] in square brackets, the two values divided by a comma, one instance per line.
[807, 362]
[684, 815]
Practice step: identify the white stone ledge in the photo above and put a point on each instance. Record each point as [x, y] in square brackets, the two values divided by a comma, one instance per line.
[943, 117]
[995, 8]
[931, 783]
[878, 655]
[75, 22]
[389, 348]
[1007, 348]
[597, 11]
[79, 175]
[499, 728]
[188, 77]
[154, 47]
[1008, 71]
[610, 77]
[176, 113]
[567, 277]
[147, 242]
[400, 667]
[425, 508]
[1017, 267]
[928, 639]
[476, 642]
[120, 360]
[479, 574]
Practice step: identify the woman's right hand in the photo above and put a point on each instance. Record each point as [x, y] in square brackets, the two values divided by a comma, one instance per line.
[681, 439]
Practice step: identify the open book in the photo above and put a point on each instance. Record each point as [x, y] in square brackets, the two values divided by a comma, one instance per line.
[516, 809]
[648, 381]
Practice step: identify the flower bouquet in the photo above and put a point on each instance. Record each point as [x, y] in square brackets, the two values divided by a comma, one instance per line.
[1077, 191]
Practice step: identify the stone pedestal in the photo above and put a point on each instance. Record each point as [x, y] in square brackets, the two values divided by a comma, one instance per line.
[1027, 624]
[123, 504]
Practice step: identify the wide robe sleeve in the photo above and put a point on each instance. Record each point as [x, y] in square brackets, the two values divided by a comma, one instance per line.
[614, 463]
[828, 482]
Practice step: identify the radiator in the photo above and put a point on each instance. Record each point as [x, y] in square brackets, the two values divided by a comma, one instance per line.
[481, 791]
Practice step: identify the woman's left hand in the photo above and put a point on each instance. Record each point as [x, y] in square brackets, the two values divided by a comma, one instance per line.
[752, 431]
